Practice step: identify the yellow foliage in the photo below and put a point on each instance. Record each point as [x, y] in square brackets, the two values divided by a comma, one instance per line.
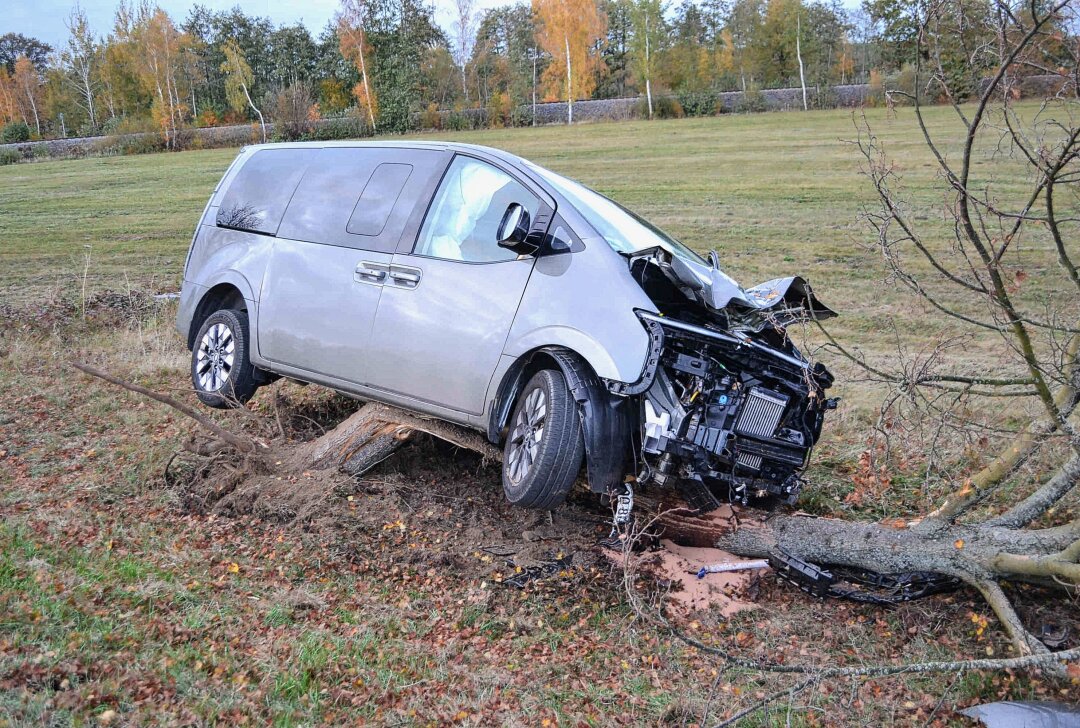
[571, 32]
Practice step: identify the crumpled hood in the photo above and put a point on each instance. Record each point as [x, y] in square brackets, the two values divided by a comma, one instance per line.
[717, 290]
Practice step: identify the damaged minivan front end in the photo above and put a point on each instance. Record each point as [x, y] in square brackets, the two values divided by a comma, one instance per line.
[729, 408]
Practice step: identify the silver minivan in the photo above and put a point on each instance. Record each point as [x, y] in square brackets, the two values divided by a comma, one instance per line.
[468, 284]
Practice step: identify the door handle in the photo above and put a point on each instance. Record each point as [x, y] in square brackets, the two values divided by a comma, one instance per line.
[365, 273]
[405, 278]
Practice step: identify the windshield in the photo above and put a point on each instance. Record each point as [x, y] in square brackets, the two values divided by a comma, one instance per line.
[623, 230]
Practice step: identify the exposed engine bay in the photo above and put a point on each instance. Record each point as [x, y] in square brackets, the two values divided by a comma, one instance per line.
[729, 407]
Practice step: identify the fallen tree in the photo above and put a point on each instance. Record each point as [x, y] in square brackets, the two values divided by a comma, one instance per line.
[999, 524]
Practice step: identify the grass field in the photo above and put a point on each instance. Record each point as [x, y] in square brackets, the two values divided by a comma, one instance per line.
[121, 604]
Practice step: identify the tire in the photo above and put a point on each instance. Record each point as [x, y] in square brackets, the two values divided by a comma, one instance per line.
[221, 370]
[538, 473]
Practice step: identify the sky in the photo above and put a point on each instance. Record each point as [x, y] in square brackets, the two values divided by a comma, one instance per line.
[45, 19]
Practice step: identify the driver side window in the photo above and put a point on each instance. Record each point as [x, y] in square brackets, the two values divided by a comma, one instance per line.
[463, 221]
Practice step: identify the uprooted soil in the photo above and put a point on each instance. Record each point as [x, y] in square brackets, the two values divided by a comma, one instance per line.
[446, 506]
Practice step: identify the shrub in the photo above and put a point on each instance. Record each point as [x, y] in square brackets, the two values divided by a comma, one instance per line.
[904, 82]
[430, 118]
[140, 143]
[14, 132]
[700, 103]
[823, 96]
[499, 110]
[664, 107]
[9, 156]
[456, 121]
[207, 117]
[875, 94]
[753, 100]
[342, 127]
[522, 115]
[290, 110]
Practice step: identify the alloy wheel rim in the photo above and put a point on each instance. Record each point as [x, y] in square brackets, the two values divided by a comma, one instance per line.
[215, 358]
[527, 434]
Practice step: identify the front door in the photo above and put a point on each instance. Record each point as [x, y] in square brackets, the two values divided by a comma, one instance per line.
[449, 301]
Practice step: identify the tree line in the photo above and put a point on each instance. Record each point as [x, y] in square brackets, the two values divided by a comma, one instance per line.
[388, 63]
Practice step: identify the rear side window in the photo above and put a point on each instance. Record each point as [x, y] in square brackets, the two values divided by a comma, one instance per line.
[358, 197]
[260, 192]
[378, 199]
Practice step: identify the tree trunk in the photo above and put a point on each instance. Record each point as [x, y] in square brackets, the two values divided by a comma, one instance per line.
[367, 89]
[798, 54]
[648, 69]
[376, 431]
[569, 85]
[979, 555]
[262, 123]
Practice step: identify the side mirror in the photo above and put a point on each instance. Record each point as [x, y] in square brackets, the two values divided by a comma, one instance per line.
[514, 228]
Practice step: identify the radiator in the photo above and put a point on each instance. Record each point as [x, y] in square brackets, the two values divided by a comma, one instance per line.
[761, 413]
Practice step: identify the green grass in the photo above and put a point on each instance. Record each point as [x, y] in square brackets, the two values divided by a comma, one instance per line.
[770, 191]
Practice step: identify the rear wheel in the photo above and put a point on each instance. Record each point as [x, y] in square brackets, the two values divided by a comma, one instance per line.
[544, 450]
[221, 369]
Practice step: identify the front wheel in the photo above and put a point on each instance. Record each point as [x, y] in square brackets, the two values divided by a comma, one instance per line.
[221, 369]
[543, 452]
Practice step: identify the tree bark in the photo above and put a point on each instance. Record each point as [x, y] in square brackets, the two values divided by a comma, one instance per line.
[798, 54]
[376, 431]
[569, 85]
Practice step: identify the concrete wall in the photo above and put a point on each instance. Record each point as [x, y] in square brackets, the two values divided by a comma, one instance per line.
[778, 99]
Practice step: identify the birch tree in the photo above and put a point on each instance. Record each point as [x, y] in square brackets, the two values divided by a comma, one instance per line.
[570, 32]
[238, 79]
[352, 39]
[464, 38]
[28, 83]
[80, 60]
[648, 25]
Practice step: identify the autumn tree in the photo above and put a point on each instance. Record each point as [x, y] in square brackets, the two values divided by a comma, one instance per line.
[14, 45]
[570, 32]
[464, 38]
[28, 85]
[238, 78]
[80, 60]
[743, 28]
[154, 47]
[649, 32]
[352, 37]
[9, 97]
[505, 57]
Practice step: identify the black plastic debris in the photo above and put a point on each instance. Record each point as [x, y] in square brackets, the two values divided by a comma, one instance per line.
[1015, 714]
[1054, 636]
[522, 578]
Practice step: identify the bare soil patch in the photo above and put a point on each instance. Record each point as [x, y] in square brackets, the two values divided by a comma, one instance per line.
[446, 504]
